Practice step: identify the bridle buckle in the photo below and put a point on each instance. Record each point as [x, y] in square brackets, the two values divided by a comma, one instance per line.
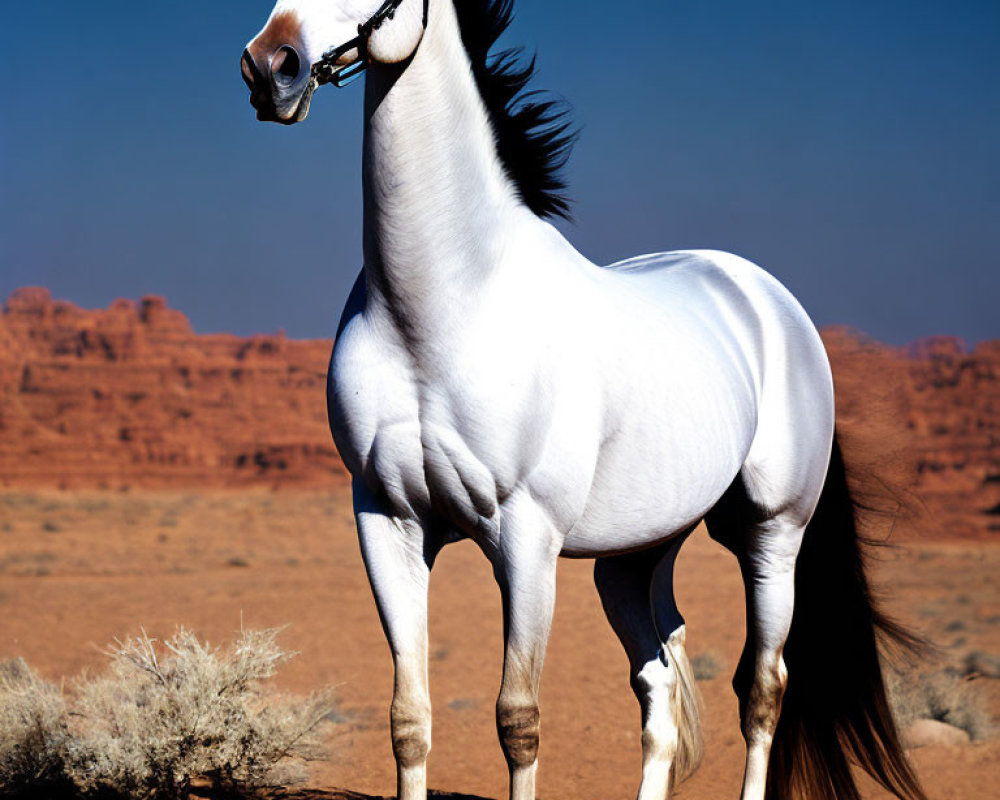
[326, 70]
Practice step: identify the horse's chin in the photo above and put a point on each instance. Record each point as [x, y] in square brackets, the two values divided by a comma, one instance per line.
[290, 110]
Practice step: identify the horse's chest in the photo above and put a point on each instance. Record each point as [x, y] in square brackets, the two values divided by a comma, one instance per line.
[407, 448]
[421, 467]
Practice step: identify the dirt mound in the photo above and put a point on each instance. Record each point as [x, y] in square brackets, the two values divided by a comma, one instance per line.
[131, 396]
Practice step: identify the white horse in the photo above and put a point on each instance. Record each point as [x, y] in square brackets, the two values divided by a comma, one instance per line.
[489, 382]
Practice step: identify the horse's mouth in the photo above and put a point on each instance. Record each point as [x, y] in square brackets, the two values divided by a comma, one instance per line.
[286, 107]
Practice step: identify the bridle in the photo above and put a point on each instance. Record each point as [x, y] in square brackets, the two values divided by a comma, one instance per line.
[326, 70]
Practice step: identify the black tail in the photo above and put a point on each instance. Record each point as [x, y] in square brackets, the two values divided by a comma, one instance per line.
[835, 710]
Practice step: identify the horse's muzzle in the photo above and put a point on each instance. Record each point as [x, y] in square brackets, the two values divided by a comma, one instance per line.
[280, 84]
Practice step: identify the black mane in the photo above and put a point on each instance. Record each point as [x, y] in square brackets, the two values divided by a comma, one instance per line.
[533, 137]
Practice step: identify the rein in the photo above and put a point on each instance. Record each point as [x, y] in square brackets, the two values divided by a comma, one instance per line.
[326, 70]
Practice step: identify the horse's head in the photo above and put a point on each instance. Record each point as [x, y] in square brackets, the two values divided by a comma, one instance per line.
[277, 64]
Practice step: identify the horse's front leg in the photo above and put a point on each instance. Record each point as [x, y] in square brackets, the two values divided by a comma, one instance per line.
[398, 557]
[525, 568]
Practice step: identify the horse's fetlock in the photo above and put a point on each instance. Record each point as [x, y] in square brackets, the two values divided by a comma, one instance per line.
[758, 729]
[518, 726]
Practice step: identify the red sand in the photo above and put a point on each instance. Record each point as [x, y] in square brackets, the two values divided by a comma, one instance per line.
[80, 569]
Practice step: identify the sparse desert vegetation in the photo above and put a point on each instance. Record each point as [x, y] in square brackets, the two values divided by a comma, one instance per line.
[943, 695]
[33, 733]
[706, 666]
[162, 718]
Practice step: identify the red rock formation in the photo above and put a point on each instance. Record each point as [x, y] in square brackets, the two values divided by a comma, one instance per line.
[926, 418]
[130, 396]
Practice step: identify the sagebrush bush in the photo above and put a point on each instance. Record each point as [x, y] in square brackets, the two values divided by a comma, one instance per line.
[942, 695]
[167, 715]
[707, 666]
[32, 731]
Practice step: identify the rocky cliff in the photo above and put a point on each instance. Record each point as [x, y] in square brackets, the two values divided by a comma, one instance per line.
[130, 396]
[924, 422]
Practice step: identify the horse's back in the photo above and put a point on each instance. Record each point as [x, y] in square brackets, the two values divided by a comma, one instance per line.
[737, 295]
[742, 306]
[736, 302]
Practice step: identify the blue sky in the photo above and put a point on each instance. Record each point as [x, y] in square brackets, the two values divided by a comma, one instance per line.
[851, 147]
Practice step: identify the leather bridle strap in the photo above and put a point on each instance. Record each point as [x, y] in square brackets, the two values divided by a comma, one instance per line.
[326, 70]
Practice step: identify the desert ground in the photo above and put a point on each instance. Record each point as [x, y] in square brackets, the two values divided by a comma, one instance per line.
[80, 568]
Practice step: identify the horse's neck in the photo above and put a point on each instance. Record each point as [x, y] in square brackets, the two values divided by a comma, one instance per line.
[437, 203]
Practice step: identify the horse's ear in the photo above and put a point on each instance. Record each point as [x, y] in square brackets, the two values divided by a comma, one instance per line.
[397, 38]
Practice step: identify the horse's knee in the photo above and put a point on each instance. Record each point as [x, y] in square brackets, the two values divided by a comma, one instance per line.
[411, 733]
[518, 725]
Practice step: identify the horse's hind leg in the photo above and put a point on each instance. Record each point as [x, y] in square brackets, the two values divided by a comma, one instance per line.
[766, 549]
[637, 592]
[398, 559]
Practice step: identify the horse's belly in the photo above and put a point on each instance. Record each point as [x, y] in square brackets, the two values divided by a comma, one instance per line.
[622, 522]
[661, 473]
[634, 514]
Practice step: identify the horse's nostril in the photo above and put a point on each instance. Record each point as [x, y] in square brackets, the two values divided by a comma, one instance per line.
[285, 65]
[247, 69]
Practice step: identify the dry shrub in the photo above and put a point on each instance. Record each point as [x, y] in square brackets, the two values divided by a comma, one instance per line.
[707, 666]
[32, 731]
[942, 695]
[167, 716]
